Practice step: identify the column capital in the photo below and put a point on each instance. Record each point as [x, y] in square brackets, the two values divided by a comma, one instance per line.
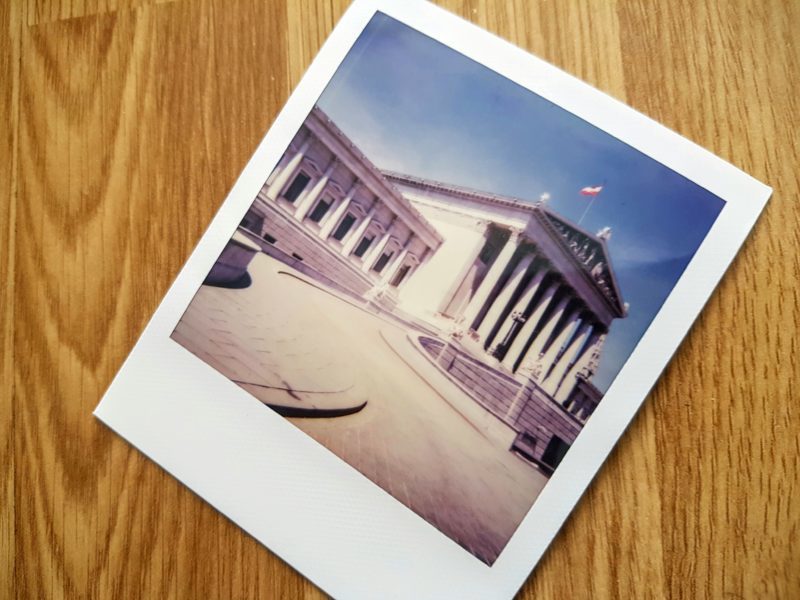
[332, 165]
[515, 235]
[306, 143]
[354, 187]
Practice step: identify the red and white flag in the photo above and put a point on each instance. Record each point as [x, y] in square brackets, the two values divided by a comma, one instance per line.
[591, 191]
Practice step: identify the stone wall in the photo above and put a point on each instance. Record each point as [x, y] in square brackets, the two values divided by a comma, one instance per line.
[542, 418]
[271, 228]
[540, 422]
[492, 389]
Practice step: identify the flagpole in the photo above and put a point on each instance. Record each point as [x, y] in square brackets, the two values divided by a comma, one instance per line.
[587, 208]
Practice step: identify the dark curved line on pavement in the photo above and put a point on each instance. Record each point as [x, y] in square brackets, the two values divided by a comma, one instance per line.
[315, 413]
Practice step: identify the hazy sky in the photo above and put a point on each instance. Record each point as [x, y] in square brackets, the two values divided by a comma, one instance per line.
[415, 106]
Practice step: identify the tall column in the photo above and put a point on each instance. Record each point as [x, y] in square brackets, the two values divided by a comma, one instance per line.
[551, 354]
[392, 270]
[285, 159]
[308, 201]
[375, 253]
[289, 171]
[413, 268]
[416, 264]
[586, 365]
[594, 355]
[448, 304]
[518, 345]
[490, 280]
[503, 298]
[352, 240]
[394, 266]
[566, 360]
[333, 220]
[532, 363]
[525, 298]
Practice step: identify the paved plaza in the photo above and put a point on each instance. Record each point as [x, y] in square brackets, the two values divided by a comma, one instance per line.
[292, 343]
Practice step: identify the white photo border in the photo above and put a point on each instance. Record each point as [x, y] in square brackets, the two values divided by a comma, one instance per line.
[315, 511]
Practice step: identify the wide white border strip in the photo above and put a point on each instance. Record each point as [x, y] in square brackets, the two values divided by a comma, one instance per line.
[316, 512]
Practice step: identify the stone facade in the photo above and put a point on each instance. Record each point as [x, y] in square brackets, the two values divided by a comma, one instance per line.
[325, 204]
[543, 426]
[533, 298]
[534, 295]
[522, 298]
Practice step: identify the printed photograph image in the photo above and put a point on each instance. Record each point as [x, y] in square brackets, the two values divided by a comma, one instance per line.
[442, 277]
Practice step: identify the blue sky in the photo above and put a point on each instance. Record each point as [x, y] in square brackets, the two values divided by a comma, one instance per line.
[415, 106]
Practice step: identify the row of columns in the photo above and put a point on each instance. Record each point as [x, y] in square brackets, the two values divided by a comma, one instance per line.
[288, 169]
[374, 252]
[284, 174]
[584, 364]
[307, 201]
[339, 211]
[550, 341]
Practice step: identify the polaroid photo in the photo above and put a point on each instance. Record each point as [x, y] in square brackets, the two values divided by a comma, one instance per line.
[429, 307]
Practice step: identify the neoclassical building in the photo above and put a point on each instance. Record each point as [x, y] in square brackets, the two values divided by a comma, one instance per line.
[325, 205]
[512, 300]
[534, 291]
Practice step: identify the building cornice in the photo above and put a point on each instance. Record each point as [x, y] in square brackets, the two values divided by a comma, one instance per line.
[472, 194]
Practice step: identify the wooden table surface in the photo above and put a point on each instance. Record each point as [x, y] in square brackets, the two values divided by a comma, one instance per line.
[125, 123]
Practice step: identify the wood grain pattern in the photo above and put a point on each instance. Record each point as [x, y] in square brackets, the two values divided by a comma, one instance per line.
[127, 123]
[9, 94]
